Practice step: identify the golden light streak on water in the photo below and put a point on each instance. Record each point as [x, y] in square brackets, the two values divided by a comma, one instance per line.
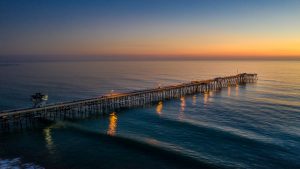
[49, 140]
[159, 108]
[182, 104]
[182, 107]
[205, 98]
[112, 127]
[237, 90]
[211, 93]
[194, 101]
[229, 91]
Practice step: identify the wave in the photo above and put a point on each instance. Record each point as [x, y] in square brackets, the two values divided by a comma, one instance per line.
[183, 154]
[225, 133]
[16, 163]
[145, 145]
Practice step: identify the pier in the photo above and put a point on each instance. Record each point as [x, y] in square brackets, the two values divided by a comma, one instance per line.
[88, 107]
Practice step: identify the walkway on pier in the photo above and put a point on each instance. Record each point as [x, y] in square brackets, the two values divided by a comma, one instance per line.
[87, 107]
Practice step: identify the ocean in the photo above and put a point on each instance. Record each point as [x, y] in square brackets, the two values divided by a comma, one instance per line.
[247, 126]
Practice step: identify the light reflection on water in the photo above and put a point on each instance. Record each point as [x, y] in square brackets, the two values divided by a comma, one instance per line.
[205, 98]
[112, 127]
[194, 102]
[49, 141]
[237, 90]
[182, 107]
[159, 108]
[211, 93]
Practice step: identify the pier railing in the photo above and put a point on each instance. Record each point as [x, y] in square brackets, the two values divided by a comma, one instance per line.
[87, 107]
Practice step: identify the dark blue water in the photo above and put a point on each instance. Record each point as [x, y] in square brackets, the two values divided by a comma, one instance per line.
[252, 126]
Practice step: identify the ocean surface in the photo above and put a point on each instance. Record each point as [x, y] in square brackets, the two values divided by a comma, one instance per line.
[248, 126]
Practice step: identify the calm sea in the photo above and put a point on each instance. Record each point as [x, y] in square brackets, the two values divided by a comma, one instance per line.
[251, 126]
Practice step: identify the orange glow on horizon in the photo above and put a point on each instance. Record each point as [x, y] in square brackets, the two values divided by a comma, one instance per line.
[227, 45]
[197, 46]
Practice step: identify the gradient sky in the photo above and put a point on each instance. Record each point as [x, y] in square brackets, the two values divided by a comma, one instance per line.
[198, 28]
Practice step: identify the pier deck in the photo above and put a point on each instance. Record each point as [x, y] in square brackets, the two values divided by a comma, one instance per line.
[102, 104]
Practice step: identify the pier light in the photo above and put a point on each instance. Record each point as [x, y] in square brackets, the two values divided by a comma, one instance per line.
[159, 85]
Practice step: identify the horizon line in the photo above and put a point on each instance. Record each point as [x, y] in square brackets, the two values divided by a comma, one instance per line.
[54, 58]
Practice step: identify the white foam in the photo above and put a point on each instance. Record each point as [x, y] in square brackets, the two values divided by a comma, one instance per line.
[16, 163]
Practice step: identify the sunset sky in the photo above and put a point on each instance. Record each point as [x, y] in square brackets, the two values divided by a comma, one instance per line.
[185, 28]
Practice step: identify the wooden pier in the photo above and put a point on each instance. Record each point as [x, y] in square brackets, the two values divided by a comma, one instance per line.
[85, 108]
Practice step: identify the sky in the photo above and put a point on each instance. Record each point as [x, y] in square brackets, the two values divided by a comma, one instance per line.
[150, 28]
